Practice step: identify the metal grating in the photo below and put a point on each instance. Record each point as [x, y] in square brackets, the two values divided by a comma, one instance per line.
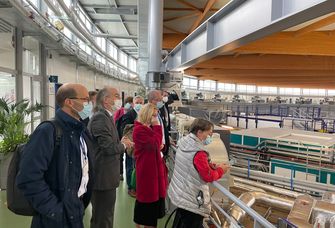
[5, 27]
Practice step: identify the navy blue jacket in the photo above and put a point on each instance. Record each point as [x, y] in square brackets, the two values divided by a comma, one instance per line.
[50, 181]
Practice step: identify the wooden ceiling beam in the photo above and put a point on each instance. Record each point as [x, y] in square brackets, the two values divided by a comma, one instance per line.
[174, 30]
[316, 25]
[313, 43]
[184, 9]
[280, 62]
[197, 22]
[170, 40]
[264, 73]
[182, 17]
[183, 2]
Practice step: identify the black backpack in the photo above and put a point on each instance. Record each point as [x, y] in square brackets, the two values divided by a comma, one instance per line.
[16, 202]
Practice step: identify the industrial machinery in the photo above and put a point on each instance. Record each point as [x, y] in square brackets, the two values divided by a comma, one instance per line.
[286, 176]
[328, 101]
[278, 100]
[218, 98]
[199, 96]
[257, 99]
[302, 100]
[237, 99]
[286, 152]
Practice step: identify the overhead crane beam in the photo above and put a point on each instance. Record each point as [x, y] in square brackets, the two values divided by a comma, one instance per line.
[227, 31]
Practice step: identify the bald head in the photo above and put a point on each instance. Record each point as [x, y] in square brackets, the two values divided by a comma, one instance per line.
[71, 98]
[70, 90]
[155, 96]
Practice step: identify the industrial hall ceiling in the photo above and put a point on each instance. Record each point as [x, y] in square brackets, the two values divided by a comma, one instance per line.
[302, 56]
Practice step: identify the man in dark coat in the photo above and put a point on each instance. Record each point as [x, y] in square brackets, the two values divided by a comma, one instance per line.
[106, 157]
[58, 183]
[129, 118]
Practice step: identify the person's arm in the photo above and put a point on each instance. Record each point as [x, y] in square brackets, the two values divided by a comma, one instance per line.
[148, 141]
[206, 172]
[104, 136]
[37, 155]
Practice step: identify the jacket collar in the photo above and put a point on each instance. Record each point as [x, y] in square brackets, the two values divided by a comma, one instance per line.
[69, 122]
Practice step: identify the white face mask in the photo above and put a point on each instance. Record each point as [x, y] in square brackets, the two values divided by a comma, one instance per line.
[165, 99]
[117, 104]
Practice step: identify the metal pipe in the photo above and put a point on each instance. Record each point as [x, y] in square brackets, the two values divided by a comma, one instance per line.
[238, 202]
[84, 34]
[155, 43]
[332, 221]
[250, 198]
[320, 221]
[155, 35]
[267, 187]
[275, 179]
[106, 35]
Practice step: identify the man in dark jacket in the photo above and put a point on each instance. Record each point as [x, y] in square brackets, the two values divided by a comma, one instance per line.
[58, 185]
[106, 157]
[129, 118]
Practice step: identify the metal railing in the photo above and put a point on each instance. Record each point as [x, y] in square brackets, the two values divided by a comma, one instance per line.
[259, 221]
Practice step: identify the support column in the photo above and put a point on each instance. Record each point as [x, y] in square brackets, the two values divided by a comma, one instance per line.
[19, 64]
[44, 83]
[155, 42]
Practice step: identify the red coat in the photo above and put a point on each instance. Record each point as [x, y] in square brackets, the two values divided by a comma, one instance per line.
[151, 172]
[118, 114]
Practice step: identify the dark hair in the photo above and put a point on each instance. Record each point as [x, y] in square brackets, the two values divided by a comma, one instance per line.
[64, 93]
[128, 100]
[91, 94]
[200, 124]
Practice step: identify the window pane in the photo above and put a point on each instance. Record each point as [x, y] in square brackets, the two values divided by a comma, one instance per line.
[267, 89]
[314, 92]
[7, 86]
[226, 87]
[7, 51]
[331, 92]
[289, 91]
[31, 60]
[246, 88]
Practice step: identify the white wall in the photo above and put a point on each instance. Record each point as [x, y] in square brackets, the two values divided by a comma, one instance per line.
[66, 72]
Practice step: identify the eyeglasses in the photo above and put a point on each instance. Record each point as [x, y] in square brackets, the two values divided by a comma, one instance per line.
[80, 98]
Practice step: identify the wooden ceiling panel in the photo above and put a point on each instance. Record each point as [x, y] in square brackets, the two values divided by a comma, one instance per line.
[280, 62]
[313, 43]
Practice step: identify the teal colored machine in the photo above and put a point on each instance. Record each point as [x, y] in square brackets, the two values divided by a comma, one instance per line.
[290, 153]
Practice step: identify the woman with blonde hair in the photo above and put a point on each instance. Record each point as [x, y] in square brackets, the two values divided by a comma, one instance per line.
[151, 172]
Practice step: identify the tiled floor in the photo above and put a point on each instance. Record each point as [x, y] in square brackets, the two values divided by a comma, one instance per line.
[123, 217]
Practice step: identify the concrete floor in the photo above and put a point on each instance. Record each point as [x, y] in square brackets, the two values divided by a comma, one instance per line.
[123, 217]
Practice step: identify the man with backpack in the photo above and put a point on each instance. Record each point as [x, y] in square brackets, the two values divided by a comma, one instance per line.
[57, 179]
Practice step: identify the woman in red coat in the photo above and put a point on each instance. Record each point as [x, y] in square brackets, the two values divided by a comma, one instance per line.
[151, 175]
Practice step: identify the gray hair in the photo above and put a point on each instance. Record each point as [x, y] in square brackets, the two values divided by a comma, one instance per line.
[138, 97]
[153, 94]
[99, 104]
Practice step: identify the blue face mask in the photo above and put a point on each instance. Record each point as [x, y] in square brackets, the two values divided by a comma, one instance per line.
[137, 107]
[208, 140]
[160, 104]
[127, 106]
[87, 110]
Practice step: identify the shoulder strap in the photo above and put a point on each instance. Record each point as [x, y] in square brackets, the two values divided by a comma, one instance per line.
[58, 131]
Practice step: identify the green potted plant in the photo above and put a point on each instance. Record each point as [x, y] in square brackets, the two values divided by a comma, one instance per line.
[14, 118]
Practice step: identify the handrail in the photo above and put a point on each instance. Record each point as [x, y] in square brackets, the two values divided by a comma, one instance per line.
[258, 218]
[61, 36]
